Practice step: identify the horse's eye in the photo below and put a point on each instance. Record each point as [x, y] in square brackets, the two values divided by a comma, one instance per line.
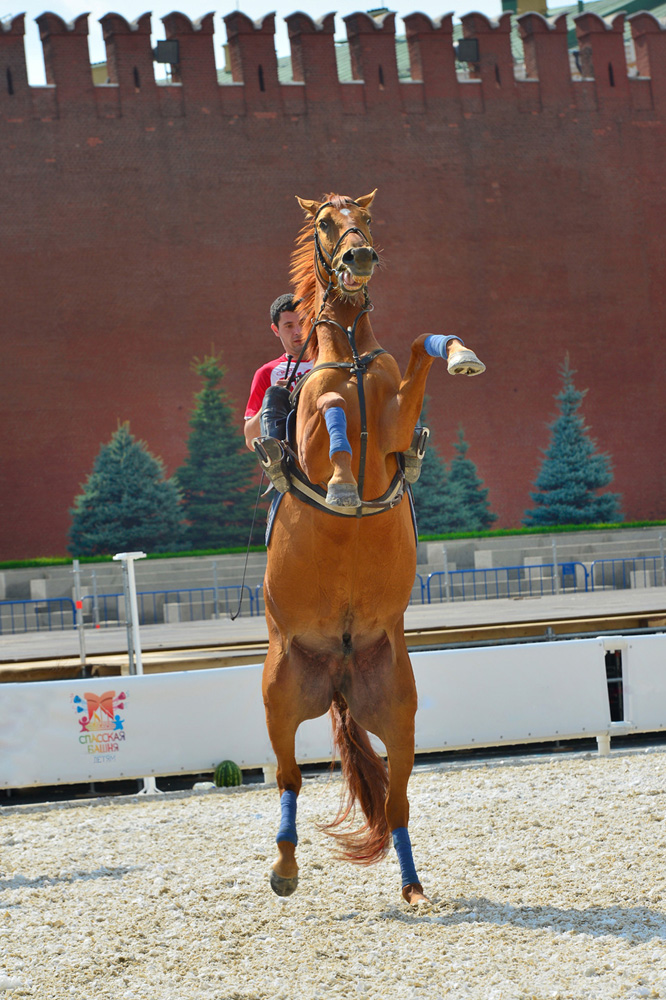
[323, 225]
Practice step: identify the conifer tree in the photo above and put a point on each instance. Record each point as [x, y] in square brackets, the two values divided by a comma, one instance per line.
[572, 471]
[469, 495]
[126, 503]
[217, 478]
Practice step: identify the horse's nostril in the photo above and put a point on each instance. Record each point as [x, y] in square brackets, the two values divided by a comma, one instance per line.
[348, 257]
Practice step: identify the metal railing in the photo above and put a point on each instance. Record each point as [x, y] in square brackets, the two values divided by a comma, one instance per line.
[623, 573]
[506, 581]
[158, 606]
[201, 603]
[46, 614]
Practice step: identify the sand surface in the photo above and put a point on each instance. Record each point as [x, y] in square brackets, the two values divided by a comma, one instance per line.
[547, 878]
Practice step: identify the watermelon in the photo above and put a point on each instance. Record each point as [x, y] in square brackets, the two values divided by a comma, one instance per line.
[227, 773]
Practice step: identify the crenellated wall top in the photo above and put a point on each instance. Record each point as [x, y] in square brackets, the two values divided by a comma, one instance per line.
[258, 86]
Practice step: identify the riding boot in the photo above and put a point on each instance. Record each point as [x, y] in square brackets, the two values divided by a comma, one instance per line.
[274, 412]
[272, 458]
[413, 457]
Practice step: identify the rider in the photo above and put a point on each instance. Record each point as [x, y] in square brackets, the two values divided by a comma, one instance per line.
[286, 325]
[264, 433]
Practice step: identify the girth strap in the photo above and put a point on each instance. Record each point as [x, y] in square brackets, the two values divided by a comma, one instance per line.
[315, 496]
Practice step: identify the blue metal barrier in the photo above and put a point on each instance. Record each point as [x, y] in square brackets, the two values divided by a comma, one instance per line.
[59, 613]
[37, 615]
[615, 574]
[504, 581]
[198, 602]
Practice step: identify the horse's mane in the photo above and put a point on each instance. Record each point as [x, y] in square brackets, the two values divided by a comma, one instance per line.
[303, 275]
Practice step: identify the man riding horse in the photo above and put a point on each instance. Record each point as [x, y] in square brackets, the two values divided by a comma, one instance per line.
[340, 446]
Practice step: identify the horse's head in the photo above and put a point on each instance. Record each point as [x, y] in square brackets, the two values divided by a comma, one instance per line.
[344, 254]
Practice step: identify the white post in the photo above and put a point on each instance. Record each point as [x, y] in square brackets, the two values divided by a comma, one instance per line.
[128, 620]
[663, 559]
[555, 567]
[127, 559]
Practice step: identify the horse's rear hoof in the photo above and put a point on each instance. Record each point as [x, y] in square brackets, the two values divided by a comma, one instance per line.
[283, 886]
[413, 894]
[343, 495]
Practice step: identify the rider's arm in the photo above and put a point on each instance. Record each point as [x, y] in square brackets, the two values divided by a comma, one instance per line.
[252, 429]
[260, 382]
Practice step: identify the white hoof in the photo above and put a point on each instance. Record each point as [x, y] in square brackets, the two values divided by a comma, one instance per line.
[343, 495]
[465, 362]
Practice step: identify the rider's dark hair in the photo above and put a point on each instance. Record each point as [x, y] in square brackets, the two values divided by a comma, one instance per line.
[283, 303]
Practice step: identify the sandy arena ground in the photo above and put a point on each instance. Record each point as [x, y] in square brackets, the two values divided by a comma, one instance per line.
[547, 878]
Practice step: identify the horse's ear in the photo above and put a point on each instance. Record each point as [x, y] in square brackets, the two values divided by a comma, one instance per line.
[309, 207]
[367, 200]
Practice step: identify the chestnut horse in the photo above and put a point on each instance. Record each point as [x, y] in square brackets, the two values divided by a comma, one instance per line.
[341, 567]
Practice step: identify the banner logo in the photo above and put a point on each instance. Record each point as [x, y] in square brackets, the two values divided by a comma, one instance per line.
[101, 724]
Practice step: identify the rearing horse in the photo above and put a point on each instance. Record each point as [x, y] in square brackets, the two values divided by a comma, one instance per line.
[342, 551]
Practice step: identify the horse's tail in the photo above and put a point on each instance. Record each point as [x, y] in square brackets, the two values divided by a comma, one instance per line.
[366, 781]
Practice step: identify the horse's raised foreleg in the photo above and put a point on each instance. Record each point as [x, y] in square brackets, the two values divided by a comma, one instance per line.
[403, 414]
[330, 422]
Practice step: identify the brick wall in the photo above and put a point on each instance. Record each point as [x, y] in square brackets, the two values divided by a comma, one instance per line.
[141, 224]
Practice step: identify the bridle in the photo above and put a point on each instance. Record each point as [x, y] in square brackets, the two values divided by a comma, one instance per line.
[358, 366]
[320, 259]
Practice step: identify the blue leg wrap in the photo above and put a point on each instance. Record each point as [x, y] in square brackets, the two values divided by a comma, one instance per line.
[436, 344]
[336, 422]
[403, 848]
[287, 829]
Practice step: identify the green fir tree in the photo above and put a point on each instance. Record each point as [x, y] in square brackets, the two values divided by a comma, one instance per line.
[468, 494]
[217, 478]
[126, 503]
[573, 471]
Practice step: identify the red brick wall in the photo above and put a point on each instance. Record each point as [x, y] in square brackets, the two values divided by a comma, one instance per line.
[140, 226]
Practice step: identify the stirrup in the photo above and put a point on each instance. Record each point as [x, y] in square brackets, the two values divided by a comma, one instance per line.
[413, 457]
[271, 455]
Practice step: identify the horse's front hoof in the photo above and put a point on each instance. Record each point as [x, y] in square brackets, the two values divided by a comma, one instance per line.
[343, 495]
[413, 894]
[283, 886]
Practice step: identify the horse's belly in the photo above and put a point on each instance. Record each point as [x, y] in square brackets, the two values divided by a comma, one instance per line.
[332, 575]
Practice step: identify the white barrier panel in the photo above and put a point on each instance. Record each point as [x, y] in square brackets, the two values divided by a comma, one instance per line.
[644, 683]
[511, 694]
[122, 727]
[132, 727]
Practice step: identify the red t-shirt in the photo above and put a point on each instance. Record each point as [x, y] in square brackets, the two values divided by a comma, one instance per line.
[267, 375]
